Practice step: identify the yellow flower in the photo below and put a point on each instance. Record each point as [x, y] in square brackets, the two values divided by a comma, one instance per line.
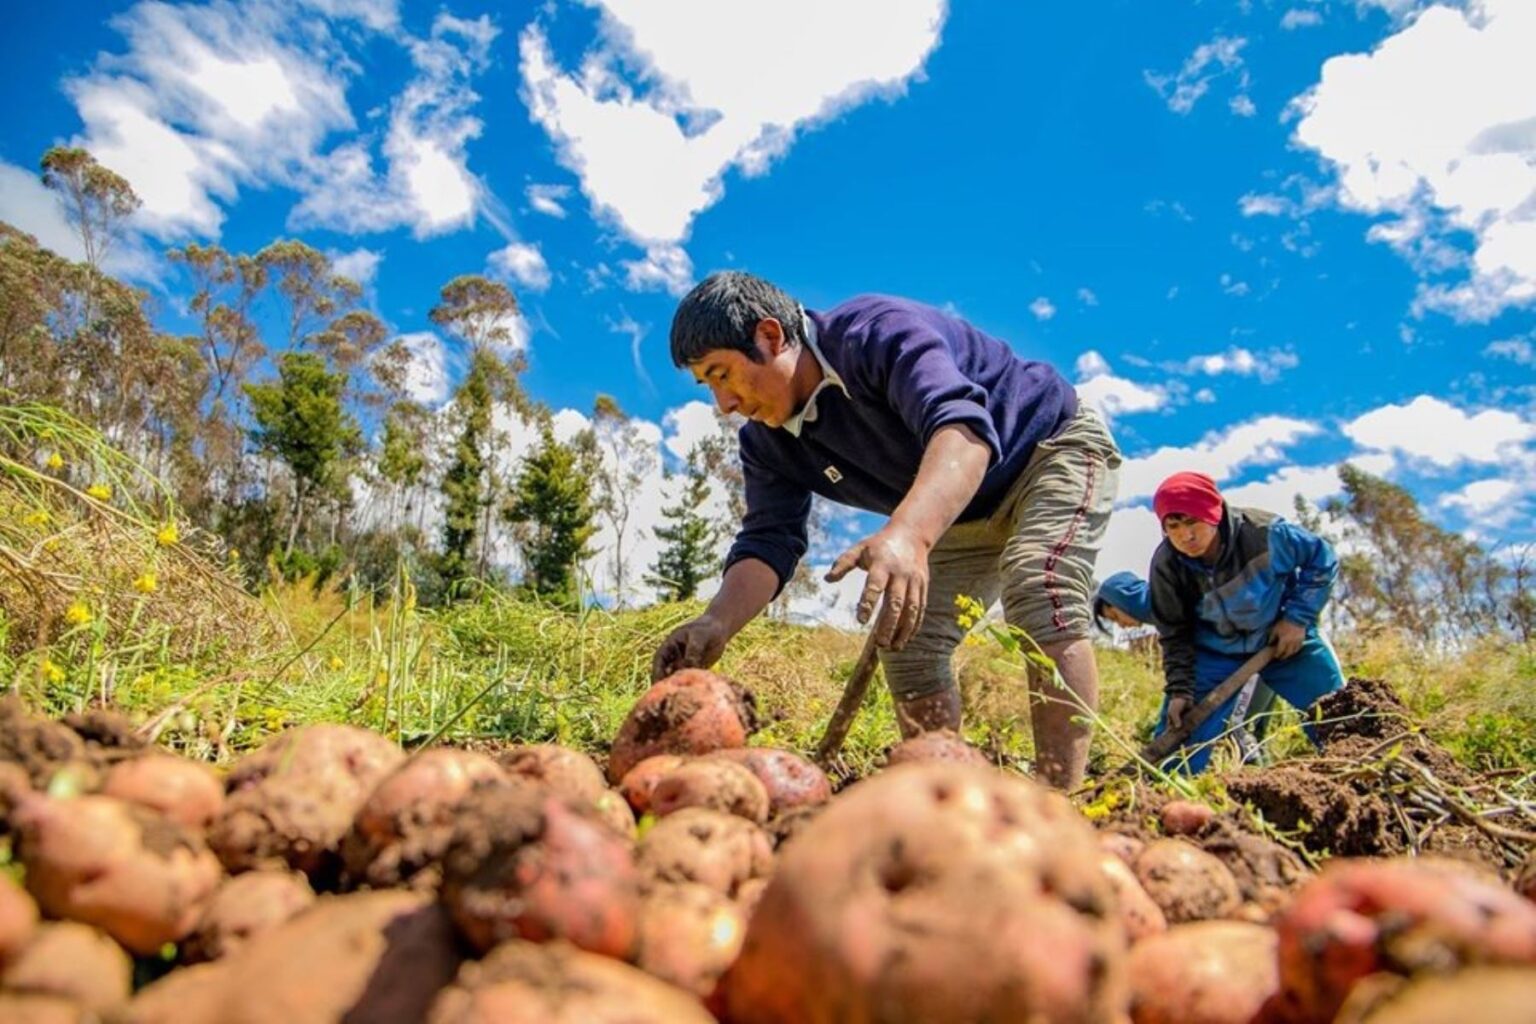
[234, 554]
[52, 672]
[168, 535]
[78, 614]
[101, 492]
[335, 664]
[38, 518]
[55, 461]
[147, 583]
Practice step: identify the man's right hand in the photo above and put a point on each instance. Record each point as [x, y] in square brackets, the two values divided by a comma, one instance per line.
[1178, 707]
[697, 643]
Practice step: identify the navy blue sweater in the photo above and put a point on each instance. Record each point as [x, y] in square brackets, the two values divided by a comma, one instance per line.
[909, 369]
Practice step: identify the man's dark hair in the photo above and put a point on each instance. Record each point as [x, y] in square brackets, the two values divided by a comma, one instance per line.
[723, 311]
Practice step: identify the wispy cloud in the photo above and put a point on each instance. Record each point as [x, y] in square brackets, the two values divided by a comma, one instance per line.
[548, 199]
[1042, 308]
[1183, 89]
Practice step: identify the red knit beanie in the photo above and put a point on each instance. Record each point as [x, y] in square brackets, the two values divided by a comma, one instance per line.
[1190, 494]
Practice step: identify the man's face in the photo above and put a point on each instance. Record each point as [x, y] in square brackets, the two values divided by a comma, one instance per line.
[763, 391]
[1189, 536]
[1120, 618]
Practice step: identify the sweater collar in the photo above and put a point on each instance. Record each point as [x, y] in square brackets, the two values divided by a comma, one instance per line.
[829, 378]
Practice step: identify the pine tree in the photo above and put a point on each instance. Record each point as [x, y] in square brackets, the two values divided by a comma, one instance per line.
[689, 536]
[551, 503]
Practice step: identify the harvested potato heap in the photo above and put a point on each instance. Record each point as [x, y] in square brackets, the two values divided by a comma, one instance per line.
[330, 878]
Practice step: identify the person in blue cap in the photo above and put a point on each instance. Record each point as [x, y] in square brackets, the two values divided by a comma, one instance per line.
[1125, 600]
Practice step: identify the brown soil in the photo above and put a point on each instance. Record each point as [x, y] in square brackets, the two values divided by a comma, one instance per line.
[41, 747]
[109, 732]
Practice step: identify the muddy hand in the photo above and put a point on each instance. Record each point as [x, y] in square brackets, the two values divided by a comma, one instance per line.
[697, 643]
[897, 580]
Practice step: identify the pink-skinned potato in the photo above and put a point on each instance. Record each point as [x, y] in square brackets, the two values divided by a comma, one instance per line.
[941, 745]
[935, 893]
[690, 712]
[402, 830]
[18, 919]
[718, 785]
[717, 850]
[244, 907]
[68, 960]
[1360, 917]
[1127, 848]
[1206, 972]
[522, 982]
[139, 877]
[185, 791]
[527, 863]
[689, 935]
[1186, 882]
[1139, 914]
[1185, 817]
[639, 782]
[568, 772]
[791, 780]
[361, 958]
[289, 803]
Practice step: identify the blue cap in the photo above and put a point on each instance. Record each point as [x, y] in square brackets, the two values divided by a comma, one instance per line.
[1129, 593]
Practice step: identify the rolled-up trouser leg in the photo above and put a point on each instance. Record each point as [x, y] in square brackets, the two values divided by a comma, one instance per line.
[963, 562]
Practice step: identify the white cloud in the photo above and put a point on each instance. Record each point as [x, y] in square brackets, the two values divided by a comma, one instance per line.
[546, 199]
[659, 110]
[1242, 105]
[635, 331]
[1433, 431]
[664, 268]
[28, 205]
[1519, 350]
[1258, 205]
[1220, 454]
[1435, 129]
[687, 425]
[1205, 396]
[522, 262]
[1241, 362]
[1132, 536]
[1278, 491]
[1300, 18]
[426, 379]
[1112, 396]
[1087, 297]
[1232, 286]
[1042, 308]
[1493, 501]
[1183, 89]
[360, 264]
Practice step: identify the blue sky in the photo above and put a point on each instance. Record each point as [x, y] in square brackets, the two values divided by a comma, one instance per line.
[1263, 236]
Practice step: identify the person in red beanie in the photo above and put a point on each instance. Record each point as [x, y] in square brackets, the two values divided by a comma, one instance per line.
[1225, 583]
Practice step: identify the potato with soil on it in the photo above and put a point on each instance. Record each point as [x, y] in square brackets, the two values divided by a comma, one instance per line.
[689, 935]
[721, 851]
[784, 827]
[1477, 995]
[1360, 917]
[944, 746]
[527, 983]
[362, 957]
[690, 712]
[1139, 914]
[72, 961]
[139, 877]
[717, 785]
[935, 893]
[1185, 817]
[791, 780]
[1208, 972]
[184, 791]
[615, 811]
[1267, 874]
[568, 772]
[18, 919]
[41, 747]
[1186, 882]
[402, 830]
[639, 782]
[244, 907]
[1127, 848]
[290, 802]
[527, 863]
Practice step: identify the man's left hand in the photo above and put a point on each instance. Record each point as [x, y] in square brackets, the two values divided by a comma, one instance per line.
[897, 562]
[1287, 636]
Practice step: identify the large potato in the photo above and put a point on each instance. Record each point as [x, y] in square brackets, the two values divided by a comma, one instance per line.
[717, 785]
[689, 935]
[185, 791]
[690, 712]
[1208, 972]
[1139, 914]
[941, 745]
[1357, 918]
[1478, 995]
[1186, 882]
[290, 802]
[363, 958]
[402, 830]
[640, 781]
[523, 983]
[718, 850]
[527, 863]
[935, 893]
[72, 961]
[568, 772]
[791, 780]
[139, 877]
[244, 907]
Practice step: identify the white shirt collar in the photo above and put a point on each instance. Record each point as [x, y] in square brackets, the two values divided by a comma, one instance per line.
[829, 378]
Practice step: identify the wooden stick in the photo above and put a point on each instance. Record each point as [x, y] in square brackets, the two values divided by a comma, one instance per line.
[1154, 752]
[852, 700]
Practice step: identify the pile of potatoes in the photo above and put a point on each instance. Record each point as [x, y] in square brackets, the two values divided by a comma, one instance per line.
[331, 877]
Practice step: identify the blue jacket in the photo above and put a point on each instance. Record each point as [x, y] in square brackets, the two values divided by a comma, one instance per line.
[1269, 570]
[905, 370]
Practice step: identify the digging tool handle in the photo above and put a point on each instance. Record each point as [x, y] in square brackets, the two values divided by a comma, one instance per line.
[852, 700]
[1173, 739]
